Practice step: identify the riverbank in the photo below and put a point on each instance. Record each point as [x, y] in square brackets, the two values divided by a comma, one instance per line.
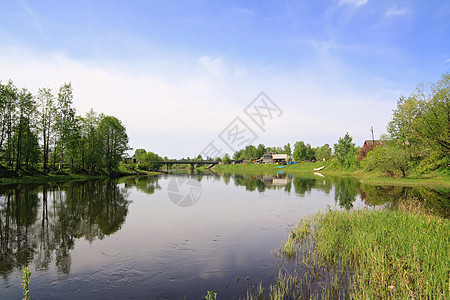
[372, 178]
[365, 254]
[39, 178]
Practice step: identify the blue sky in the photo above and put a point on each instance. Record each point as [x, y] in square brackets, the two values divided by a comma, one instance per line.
[178, 72]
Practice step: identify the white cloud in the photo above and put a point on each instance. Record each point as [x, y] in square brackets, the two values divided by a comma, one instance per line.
[357, 3]
[447, 60]
[396, 12]
[178, 112]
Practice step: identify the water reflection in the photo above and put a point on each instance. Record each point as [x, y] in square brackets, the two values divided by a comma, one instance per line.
[41, 223]
[222, 236]
[435, 199]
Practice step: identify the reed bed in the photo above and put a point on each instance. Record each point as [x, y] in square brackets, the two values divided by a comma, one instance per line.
[365, 254]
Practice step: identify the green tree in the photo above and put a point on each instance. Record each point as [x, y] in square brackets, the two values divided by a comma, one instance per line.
[66, 125]
[90, 143]
[47, 119]
[392, 160]
[299, 151]
[287, 149]
[345, 151]
[8, 119]
[226, 159]
[139, 155]
[113, 142]
[26, 108]
[323, 153]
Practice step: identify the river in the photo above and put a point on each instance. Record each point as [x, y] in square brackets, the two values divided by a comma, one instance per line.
[170, 236]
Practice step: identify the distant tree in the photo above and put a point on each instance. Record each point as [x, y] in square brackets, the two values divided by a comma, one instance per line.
[47, 119]
[8, 119]
[345, 151]
[299, 151]
[90, 142]
[323, 153]
[287, 149]
[139, 155]
[260, 150]
[113, 142]
[66, 125]
[226, 159]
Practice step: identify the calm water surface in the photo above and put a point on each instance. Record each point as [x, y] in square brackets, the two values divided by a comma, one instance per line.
[166, 237]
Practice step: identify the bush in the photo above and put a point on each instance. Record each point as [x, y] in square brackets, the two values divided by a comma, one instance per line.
[392, 160]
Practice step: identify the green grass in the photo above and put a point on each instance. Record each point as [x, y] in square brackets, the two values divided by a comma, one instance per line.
[373, 178]
[39, 178]
[390, 254]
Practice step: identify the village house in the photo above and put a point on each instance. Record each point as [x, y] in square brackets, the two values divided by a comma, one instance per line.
[271, 158]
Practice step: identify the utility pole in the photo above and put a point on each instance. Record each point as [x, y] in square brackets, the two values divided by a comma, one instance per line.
[371, 130]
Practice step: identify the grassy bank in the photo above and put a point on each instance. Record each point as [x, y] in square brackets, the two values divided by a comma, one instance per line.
[39, 178]
[375, 254]
[373, 178]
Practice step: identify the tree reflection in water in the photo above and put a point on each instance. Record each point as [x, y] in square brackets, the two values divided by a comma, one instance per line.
[41, 223]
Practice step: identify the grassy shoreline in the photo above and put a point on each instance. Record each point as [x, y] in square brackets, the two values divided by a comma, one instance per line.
[365, 254]
[39, 178]
[372, 178]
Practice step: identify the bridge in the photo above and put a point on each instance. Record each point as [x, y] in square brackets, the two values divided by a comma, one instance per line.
[187, 162]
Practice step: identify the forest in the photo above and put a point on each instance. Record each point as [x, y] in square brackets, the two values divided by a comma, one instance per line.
[43, 134]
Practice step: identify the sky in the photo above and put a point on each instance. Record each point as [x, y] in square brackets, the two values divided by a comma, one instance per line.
[179, 73]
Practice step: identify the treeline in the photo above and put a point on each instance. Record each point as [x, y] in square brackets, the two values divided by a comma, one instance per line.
[418, 139]
[42, 133]
[301, 152]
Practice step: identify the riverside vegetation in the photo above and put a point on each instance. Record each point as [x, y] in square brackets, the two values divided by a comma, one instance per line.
[364, 254]
[41, 134]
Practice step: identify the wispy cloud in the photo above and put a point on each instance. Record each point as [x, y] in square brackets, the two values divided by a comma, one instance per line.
[243, 11]
[34, 17]
[447, 60]
[357, 3]
[396, 12]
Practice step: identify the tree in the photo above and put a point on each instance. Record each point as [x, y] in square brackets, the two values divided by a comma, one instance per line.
[66, 125]
[26, 107]
[299, 151]
[46, 115]
[345, 151]
[421, 123]
[226, 159]
[8, 102]
[287, 149]
[392, 160]
[113, 142]
[139, 155]
[323, 153]
[90, 143]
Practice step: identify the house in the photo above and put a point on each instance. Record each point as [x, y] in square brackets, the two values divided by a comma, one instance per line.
[372, 143]
[280, 158]
[270, 158]
[368, 146]
[267, 158]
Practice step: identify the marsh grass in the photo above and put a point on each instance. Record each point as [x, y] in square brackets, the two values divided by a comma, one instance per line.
[366, 254]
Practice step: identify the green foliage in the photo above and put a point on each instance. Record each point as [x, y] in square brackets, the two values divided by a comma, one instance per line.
[303, 152]
[323, 153]
[113, 142]
[345, 151]
[147, 160]
[26, 274]
[392, 160]
[46, 130]
[421, 125]
[226, 159]
[211, 296]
